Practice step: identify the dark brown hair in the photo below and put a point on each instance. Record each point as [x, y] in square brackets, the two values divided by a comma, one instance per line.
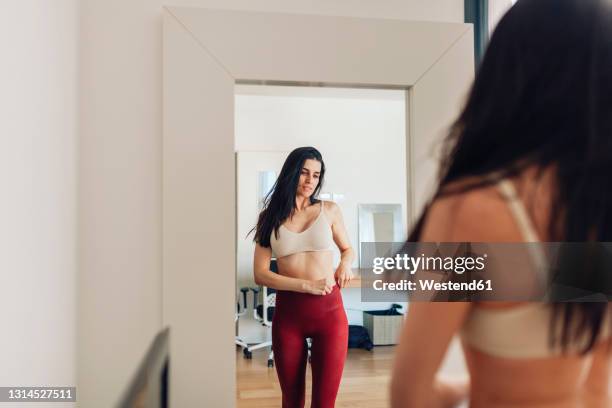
[280, 201]
[543, 96]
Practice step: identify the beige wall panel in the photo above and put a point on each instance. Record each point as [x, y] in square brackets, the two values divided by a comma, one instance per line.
[199, 216]
[199, 222]
[291, 47]
[435, 101]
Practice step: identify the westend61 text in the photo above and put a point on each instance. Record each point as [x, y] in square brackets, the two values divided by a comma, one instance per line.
[430, 284]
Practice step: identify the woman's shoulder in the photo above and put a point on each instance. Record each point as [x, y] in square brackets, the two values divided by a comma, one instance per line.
[331, 210]
[467, 211]
[329, 205]
[478, 210]
[468, 196]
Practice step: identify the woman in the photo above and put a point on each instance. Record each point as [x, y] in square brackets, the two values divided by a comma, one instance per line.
[529, 159]
[300, 230]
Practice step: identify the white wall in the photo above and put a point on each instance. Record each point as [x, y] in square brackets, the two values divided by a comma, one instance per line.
[38, 175]
[120, 168]
[497, 9]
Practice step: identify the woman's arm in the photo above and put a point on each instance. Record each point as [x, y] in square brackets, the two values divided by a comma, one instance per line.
[265, 277]
[428, 329]
[344, 272]
[425, 337]
[597, 388]
[430, 326]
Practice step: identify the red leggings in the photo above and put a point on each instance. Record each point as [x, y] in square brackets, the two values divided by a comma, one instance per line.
[323, 319]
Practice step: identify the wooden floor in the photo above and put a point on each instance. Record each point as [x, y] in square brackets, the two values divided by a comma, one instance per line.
[364, 382]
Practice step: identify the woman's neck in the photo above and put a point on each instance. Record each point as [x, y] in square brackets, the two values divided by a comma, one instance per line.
[302, 203]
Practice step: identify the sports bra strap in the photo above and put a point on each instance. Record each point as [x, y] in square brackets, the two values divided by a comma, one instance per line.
[518, 211]
[527, 229]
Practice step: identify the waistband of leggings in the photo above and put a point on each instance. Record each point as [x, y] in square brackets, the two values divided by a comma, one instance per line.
[289, 297]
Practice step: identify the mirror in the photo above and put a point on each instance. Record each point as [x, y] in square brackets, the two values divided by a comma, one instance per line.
[207, 55]
[380, 223]
[266, 182]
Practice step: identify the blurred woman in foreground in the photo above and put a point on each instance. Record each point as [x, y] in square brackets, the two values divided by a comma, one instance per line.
[528, 160]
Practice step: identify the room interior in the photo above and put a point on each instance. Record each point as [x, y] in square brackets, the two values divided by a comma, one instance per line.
[86, 166]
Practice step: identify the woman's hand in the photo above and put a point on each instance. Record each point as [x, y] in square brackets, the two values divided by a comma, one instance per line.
[343, 274]
[320, 286]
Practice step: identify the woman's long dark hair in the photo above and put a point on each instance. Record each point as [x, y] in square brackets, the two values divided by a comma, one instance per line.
[543, 96]
[279, 203]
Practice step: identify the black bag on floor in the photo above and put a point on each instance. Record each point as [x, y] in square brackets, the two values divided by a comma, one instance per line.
[359, 338]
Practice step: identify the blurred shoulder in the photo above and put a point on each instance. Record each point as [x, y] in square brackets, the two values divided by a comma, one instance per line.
[479, 214]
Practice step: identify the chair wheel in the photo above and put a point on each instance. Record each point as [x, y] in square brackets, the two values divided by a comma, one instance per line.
[247, 354]
[270, 363]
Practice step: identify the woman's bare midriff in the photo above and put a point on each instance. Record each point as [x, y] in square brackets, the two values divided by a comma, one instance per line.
[559, 382]
[313, 265]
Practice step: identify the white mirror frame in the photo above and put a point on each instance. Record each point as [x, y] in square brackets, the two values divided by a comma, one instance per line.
[205, 53]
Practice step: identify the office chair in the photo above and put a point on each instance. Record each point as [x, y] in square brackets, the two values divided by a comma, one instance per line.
[264, 314]
[239, 312]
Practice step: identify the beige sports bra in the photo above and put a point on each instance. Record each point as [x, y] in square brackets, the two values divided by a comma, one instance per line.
[317, 237]
[521, 331]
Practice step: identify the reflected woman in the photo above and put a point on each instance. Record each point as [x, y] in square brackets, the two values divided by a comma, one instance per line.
[301, 230]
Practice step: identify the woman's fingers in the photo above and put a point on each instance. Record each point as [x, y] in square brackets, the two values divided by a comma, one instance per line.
[344, 280]
[326, 285]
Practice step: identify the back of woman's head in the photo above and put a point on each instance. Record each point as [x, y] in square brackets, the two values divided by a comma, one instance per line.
[543, 96]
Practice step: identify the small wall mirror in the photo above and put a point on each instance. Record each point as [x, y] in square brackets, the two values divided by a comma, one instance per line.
[379, 223]
[266, 182]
